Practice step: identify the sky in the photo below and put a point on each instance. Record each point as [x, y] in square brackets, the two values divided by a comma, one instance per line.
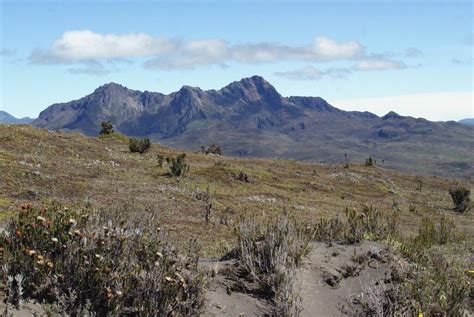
[411, 57]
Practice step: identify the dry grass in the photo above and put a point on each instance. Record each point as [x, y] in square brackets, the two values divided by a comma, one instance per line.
[41, 166]
[268, 255]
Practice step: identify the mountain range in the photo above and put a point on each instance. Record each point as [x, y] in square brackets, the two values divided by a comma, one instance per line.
[7, 118]
[250, 118]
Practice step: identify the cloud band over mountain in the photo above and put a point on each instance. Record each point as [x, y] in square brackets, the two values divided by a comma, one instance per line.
[87, 48]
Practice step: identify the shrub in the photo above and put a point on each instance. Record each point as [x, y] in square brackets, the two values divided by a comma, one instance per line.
[419, 184]
[268, 254]
[178, 166]
[460, 196]
[107, 128]
[207, 198]
[431, 279]
[435, 277]
[429, 235]
[139, 145]
[369, 224]
[438, 281]
[243, 177]
[161, 160]
[82, 263]
[329, 230]
[213, 149]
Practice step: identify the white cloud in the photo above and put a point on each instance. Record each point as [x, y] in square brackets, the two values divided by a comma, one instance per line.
[166, 53]
[440, 106]
[378, 64]
[192, 54]
[312, 73]
[328, 49]
[82, 45]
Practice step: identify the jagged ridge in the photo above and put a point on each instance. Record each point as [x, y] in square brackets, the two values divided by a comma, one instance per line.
[250, 118]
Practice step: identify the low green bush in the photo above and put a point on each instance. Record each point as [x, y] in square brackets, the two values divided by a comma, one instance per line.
[139, 145]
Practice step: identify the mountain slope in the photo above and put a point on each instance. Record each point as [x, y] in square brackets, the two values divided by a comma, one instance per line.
[468, 121]
[250, 118]
[7, 118]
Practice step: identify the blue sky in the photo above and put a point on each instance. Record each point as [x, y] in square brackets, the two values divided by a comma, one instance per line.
[411, 57]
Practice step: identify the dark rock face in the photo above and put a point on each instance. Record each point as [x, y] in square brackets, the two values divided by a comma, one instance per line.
[388, 133]
[250, 118]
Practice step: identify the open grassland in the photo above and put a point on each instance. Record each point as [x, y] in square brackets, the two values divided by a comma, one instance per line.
[39, 166]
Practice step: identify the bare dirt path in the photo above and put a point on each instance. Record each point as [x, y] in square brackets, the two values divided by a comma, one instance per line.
[335, 274]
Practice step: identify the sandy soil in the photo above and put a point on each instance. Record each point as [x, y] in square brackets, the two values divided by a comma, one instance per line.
[323, 281]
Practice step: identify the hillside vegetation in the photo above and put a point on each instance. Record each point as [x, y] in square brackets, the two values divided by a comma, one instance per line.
[42, 166]
[218, 236]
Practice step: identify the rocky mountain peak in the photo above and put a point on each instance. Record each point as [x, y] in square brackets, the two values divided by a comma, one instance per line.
[189, 91]
[392, 115]
[113, 90]
[252, 89]
[111, 87]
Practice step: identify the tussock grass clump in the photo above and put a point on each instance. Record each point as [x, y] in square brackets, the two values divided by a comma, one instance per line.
[268, 254]
[460, 196]
[139, 145]
[88, 264]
